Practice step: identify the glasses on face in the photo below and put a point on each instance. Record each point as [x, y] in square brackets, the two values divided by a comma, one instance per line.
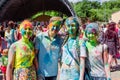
[55, 28]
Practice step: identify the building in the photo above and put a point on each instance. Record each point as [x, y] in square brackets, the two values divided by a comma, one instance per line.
[115, 17]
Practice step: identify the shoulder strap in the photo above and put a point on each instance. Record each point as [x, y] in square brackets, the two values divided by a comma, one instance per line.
[78, 46]
[72, 55]
[65, 40]
[84, 43]
[103, 52]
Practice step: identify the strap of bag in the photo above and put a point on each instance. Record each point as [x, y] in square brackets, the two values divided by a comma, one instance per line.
[103, 52]
[76, 61]
[72, 55]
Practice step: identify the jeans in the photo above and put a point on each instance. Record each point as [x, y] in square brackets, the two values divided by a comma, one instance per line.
[99, 78]
[69, 74]
[41, 77]
[51, 78]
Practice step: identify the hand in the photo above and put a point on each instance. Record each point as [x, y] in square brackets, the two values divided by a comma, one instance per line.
[5, 51]
[41, 77]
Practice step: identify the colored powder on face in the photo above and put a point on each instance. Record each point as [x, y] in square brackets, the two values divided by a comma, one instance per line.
[26, 29]
[72, 20]
[23, 32]
[26, 24]
[92, 28]
[90, 36]
[70, 30]
[55, 24]
[72, 25]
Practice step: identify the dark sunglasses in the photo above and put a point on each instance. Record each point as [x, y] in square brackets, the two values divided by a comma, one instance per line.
[55, 28]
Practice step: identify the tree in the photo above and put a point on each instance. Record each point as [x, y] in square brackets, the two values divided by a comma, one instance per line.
[95, 10]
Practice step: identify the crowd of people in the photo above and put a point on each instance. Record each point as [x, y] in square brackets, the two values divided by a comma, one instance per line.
[36, 51]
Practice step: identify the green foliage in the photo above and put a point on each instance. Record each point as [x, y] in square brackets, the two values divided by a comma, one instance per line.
[50, 13]
[82, 8]
[95, 10]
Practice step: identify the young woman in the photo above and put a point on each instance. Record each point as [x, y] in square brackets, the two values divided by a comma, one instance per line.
[112, 41]
[97, 54]
[21, 56]
[71, 56]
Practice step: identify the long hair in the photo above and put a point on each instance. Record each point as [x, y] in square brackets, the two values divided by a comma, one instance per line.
[77, 32]
[110, 33]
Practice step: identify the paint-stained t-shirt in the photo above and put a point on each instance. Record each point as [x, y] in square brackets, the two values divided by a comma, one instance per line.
[94, 61]
[72, 46]
[48, 54]
[24, 54]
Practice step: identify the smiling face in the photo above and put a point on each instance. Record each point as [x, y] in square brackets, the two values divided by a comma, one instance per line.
[72, 25]
[91, 32]
[26, 29]
[54, 27]
[91, 36]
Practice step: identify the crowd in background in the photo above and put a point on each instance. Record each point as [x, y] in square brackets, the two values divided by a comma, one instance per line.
[69, 34]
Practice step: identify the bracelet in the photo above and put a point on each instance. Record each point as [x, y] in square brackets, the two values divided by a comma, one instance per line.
[108, 78]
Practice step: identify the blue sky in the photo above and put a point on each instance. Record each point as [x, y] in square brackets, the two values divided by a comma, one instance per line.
[90, 0]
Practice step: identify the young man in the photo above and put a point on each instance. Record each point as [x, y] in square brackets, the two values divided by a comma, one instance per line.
[47, 45]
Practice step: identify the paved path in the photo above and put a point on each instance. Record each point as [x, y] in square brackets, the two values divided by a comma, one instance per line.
[115, 74]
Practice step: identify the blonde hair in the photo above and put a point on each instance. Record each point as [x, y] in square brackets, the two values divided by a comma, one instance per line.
[56, 18]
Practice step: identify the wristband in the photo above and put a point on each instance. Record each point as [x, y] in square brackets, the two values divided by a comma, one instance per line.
[108, 78]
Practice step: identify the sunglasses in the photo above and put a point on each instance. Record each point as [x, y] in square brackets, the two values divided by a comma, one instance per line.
[57, 28]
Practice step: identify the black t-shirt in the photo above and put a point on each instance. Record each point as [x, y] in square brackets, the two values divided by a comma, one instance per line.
[2, 33]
